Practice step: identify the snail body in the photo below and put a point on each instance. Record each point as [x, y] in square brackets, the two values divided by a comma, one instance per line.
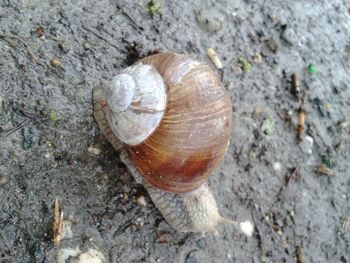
[170, 119]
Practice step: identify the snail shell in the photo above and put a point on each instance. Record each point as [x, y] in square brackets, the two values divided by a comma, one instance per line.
[171, 119]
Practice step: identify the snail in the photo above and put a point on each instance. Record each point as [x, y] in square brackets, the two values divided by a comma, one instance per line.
[170, 119]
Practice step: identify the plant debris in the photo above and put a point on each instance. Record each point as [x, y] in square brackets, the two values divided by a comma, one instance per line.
[312, 69]
[323, 169]
[268, 126]
[345, 222]
[53, 116]
[214, 58]
[244, 64]
[28, 138]
[40, 32]
[154, 7]
[57, 225]
[300, 124]
[299, 255]
[56, 63]
[295, 85]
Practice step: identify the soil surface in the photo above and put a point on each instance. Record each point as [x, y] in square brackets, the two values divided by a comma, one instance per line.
[52, 55]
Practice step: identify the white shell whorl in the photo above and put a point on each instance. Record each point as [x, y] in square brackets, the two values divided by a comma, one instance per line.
[136, 100]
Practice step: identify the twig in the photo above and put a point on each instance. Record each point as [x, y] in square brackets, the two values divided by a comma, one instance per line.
[92, 31]
[258, 235]
[3, 199]
[6, 242]
[12, 130]
[299, 255]
[133, 22]
[58, 220]
[345, 223]
[27, 113]
[30, 52]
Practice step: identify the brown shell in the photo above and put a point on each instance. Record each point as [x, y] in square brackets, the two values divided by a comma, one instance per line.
[193, 136]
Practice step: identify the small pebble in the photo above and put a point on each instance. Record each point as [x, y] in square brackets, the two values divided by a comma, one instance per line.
[64, 46]
[40, 32]
[163, 238]
[139, 221]
[65, 253]
[272, 44]
[141, 201]
[290, 36]
[91, 256]
[94, 150]
[3, 180]
[257, 58]
[87, 46]
[247, 228]
[277, 166]
[307, 144]
[210, 19]
[56, 63]
[257, 111]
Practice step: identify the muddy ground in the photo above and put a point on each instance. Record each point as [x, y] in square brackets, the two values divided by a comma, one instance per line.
[52, 55]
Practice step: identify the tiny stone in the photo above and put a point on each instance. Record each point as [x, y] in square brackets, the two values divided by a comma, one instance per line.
[163, 238]
[56, 63]
[247, 228]
[141, 201]
[258, 111]
[87, 46]
[210, 19]
[290, 36]
[272, 44]
[277, 166]
[257, 58]
[139, 221]
[3, 180]
[47, 155]
[91, 256]
[307, 144]
[64, 47]
[94, 150]
[65, 253]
